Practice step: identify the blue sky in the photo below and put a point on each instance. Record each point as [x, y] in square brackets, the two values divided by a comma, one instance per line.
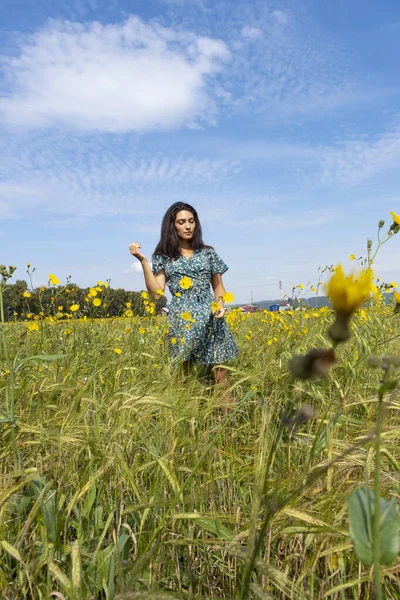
[279, 121]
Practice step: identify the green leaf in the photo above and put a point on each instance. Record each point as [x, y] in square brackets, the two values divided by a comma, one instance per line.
[42, 357]
[208, 524]
[11, 550]
[361, 505]
[48, 505]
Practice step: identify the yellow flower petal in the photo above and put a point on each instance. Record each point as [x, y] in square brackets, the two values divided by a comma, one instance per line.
[186, 316]
[54, 280]
[228, 297]
[396, 218]
[215, 307]
[185, 283]
[349, 293]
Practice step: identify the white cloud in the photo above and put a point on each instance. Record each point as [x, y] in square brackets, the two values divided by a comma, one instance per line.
[137, 267]
[133, 76]
[84, 177]
[356, 160]
[281, 16]
[273, 222]
[251, 33]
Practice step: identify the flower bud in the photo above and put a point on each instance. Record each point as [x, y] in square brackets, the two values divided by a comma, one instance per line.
[381, 224]
[313, 364]
[303, 414]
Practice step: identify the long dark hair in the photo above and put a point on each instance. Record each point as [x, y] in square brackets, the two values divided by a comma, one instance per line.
[169, 244]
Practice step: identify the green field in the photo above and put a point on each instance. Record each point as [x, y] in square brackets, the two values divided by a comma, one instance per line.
[118, 480]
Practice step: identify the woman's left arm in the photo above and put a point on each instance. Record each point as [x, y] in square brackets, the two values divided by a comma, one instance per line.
[219, 291]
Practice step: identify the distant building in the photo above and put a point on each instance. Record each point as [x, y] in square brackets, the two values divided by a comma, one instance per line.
[247, 308]
[282, 306]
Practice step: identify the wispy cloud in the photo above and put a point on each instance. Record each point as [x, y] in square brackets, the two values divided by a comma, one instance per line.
[83, 178]
[273, 222]
[355, 160]
[132, 76]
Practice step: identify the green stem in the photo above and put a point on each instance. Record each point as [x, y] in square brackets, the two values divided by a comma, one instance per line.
[10, 401]
[377, 516]
[256, 540]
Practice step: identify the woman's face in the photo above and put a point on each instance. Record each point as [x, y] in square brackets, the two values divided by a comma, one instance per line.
[184, 224]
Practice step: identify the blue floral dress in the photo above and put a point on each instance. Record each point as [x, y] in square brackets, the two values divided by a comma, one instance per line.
[201, 338]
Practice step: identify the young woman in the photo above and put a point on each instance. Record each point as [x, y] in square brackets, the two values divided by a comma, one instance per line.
[182, 261]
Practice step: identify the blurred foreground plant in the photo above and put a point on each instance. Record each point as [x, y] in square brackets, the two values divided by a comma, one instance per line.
[374, 522]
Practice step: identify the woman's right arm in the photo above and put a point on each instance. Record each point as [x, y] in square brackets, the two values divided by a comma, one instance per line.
[153, 282]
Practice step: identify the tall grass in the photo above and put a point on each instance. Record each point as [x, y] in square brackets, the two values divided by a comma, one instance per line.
[120, 481]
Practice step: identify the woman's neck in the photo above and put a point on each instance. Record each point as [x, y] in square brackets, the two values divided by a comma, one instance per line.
[185, 245]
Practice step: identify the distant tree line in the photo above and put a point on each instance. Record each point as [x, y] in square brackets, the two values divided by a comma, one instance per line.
[19, 300]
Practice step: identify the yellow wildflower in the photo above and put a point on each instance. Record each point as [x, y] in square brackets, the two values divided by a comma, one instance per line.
[128, 304]
[178, 294]
[215, 307]
[187, 327]
[228, 297]
[301, 286]
[60, 307]
[144, 295]
[33, 326]
[117, 350]
[141, 330]
[42, 288]
[349, 293]
[160, 292]
[185, 283]
[92, 293]
[54, 280]
[393, 284]
[352, 257]
[127, 330]
[396, 296]
[128, 313]
[396, 218]
[186, 316]
[74, 307]
[97, 302]
[27, 294]
[173, 340]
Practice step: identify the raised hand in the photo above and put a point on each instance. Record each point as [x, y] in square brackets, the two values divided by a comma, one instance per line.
[134, 249]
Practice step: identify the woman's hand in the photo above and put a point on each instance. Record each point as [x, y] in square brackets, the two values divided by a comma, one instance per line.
[134, 249]
[218, 314]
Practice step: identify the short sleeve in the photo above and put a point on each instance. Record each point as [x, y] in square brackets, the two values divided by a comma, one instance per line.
[217, 264]
[157, 263]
